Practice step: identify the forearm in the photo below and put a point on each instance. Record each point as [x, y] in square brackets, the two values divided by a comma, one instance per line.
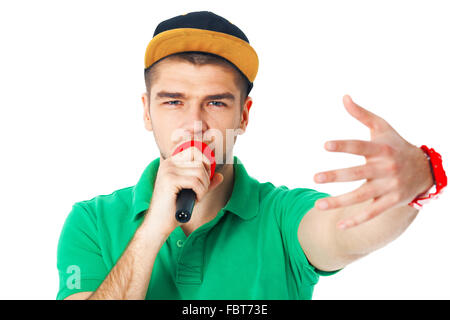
[360, 240]
[130, 277]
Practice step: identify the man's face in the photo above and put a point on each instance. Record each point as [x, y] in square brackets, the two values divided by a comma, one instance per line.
[195, 102]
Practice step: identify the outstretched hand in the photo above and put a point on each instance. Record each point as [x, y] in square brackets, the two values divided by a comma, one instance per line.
[395, 171]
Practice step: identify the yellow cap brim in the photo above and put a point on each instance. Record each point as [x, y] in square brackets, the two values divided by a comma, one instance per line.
[237, 51]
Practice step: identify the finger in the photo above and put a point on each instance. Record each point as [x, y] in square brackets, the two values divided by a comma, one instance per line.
[359, 147]
[199, 172]
[191, 166]
[192, 156]
[368, 118]
[191, 153]
[216, 181]
[367, 171]
[368, 190]
[377, 207]
[194, 183]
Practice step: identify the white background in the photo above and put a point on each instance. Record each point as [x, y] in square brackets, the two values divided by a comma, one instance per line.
[71, 76]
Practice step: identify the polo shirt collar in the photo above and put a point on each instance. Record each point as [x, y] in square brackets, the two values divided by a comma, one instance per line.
[244, 200]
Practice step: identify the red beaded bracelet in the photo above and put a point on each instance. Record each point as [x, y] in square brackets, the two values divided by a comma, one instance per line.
[439, 178]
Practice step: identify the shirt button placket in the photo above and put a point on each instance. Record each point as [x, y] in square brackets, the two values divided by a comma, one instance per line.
[190, 260]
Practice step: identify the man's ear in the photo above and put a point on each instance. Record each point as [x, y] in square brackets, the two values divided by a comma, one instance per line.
[245, 114]
[146, 104]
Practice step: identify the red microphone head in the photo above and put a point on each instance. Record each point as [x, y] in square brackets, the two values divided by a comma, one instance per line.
[203, 147]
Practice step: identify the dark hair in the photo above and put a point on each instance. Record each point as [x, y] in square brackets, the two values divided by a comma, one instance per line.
[203, 58]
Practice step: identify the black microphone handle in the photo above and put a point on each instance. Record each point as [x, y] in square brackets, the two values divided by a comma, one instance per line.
[185, 205]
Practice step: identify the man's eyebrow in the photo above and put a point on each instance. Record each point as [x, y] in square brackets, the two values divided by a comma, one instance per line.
[179, 95]
[220, 96]
[174, 95]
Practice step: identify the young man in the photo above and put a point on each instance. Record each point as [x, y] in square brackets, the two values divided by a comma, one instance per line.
[246, 239]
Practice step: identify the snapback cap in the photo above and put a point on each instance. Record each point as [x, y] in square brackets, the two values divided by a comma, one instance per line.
[203, 31]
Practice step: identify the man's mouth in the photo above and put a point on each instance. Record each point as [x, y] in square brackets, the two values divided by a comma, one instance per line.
[209, 143]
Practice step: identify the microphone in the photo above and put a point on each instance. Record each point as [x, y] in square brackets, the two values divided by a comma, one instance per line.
[186, 197]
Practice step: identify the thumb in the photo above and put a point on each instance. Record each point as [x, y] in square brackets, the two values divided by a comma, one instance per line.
[216, 181]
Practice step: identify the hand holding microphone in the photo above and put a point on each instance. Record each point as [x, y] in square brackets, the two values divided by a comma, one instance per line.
[176, 173]
[186, 197]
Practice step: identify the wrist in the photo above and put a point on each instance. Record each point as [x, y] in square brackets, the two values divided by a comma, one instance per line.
[428, 180]
[154, 228]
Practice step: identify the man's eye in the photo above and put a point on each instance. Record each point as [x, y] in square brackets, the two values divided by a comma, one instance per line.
[218, 103]
[172, 104]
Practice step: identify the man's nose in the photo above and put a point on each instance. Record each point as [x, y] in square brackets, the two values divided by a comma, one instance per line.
[195, 123]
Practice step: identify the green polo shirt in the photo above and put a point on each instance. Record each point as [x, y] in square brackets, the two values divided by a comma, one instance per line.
[250, 250]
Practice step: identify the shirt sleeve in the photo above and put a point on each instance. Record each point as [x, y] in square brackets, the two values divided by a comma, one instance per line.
[295, 204]
[79, 258]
